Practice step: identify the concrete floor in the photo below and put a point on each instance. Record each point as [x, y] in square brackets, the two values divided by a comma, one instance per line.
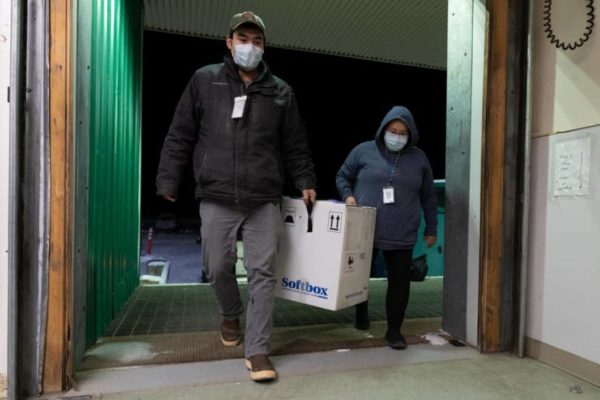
[180, 249]
[420, 372]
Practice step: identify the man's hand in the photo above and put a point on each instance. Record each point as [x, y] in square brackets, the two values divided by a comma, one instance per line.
[430, 240]
[169, 198]
[309, 194]
[350, 201]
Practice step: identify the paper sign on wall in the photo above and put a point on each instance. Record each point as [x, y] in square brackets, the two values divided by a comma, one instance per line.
[572, 167]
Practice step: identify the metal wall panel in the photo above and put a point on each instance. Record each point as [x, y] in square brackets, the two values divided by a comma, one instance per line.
[395, 31]
[458, 157]
[82, 62]
[30, 201]
[114, 160]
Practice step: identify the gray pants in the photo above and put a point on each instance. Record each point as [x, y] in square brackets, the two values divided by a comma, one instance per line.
[261, 228]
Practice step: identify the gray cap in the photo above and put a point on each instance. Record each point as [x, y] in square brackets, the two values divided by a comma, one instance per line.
[246, 17]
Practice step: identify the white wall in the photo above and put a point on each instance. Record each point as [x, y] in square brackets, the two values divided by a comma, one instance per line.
[563, 296]
[565, 84]
[4, 168]
[564, 254]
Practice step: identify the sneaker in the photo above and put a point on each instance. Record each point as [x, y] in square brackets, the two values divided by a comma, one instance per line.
[260, 368]
[395, 340]
[231, 334]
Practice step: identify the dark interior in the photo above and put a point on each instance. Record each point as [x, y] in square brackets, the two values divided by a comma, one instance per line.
[342, 101]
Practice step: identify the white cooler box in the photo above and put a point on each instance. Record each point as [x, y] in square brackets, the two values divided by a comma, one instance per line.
[328, 267]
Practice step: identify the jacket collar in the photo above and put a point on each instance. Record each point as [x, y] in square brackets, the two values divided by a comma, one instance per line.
[263, 79]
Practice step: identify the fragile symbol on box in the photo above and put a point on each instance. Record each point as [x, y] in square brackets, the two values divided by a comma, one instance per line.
[334, 223]
[290, 216]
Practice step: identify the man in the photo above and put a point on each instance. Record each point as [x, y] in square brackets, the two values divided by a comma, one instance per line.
[242, 126]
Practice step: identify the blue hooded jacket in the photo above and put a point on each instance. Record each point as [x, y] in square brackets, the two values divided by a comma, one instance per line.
[368, 169]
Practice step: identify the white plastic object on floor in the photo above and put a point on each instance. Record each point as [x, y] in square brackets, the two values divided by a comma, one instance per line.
[158, 271]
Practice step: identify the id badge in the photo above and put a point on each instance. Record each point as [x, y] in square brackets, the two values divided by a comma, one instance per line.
[239, 103]
[388, 195]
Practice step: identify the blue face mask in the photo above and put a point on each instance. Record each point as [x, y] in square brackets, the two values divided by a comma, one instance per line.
[394, 142]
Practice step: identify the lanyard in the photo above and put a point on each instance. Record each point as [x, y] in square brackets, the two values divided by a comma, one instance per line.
[393, 168]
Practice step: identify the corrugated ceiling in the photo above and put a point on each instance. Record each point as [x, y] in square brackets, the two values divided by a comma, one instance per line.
[409, 32]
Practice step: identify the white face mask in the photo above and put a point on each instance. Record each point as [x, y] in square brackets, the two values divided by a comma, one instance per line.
[247, 56]
[394, 142]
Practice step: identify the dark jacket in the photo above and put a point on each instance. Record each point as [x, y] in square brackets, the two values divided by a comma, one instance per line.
[237, 160]
[367, 171]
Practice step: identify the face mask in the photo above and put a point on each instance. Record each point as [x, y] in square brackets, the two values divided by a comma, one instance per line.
[394, 142]
[247, 56]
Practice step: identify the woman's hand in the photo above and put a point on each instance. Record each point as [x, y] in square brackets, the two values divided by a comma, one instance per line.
[350, 201]
[430, 240]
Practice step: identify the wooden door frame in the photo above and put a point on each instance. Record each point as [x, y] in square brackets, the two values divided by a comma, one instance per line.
[503, 173]
[57, 349]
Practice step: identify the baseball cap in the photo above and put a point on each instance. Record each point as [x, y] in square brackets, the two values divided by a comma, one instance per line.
[246, 17]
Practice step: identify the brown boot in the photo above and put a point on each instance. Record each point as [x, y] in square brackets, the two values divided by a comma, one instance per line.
[261, 368]
[231, 333]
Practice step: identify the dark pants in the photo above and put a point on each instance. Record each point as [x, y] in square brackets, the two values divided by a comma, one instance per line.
[398, 264]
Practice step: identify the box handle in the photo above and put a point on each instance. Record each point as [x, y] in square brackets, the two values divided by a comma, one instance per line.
[309, 208]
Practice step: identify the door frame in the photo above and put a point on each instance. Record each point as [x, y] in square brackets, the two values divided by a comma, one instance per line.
[486, 172]
[504, 104]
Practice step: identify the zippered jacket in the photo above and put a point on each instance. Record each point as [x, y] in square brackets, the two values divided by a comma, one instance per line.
[239, 160]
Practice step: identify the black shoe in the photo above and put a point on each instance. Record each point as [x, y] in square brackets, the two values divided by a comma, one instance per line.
[361, 320]
[395, 340]
[362, 325]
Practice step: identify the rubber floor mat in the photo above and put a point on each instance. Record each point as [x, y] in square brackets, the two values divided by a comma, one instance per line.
[124, 351]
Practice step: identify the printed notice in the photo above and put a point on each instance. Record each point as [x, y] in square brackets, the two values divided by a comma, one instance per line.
[572, 167]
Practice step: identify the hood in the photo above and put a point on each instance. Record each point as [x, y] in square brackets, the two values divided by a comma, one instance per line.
[403, 114]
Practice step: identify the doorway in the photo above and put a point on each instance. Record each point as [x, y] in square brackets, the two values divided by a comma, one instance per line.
[286, 60]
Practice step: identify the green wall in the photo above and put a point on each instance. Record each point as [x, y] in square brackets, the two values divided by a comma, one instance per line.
[113, 162]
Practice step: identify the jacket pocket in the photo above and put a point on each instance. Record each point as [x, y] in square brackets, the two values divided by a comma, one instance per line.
[266, 111]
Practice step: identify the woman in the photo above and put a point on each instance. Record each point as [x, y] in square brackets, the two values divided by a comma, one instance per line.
[393, 175]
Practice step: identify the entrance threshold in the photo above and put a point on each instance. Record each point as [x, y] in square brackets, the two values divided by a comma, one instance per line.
[186, 347]
[138, 379]
[180, 324]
